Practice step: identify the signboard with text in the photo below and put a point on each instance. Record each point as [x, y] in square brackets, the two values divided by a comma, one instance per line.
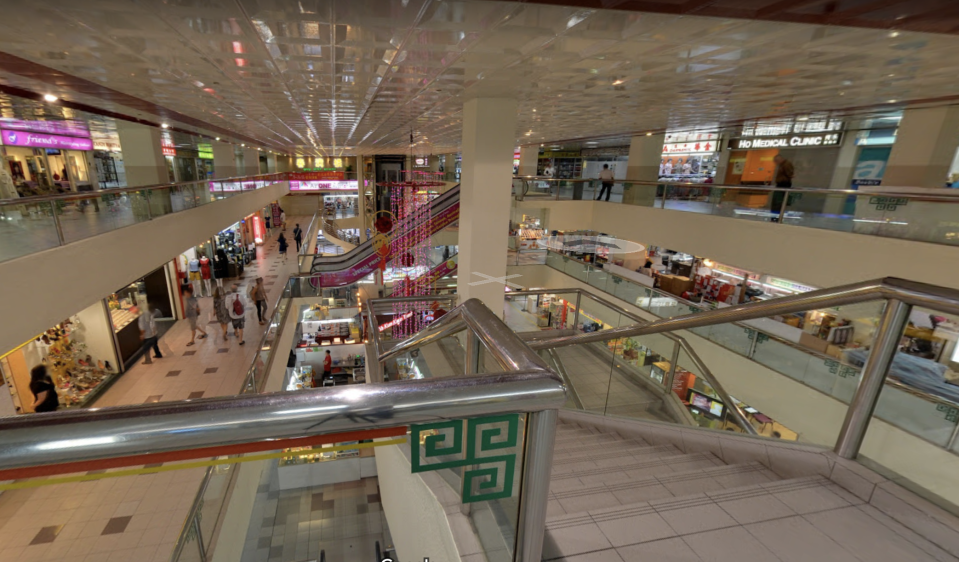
[318, 176]
[787, 141]
[38, 140]
[68, 128]
[691, 147]
[340, 185]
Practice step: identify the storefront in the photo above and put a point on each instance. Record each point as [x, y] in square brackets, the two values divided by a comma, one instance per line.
[48, 156]
[340, 205]
[566, 165]
[689, 157]
[108, 161]
[126, 305]
[80, 356]
[811, 143]
[526, 233]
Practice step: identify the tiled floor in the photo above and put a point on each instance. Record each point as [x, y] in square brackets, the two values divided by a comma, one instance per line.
[138, 518]
[638, 502]
[343, 520]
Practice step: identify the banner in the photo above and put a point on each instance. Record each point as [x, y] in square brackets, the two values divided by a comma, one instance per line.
[37, 140]
[870, 166]
[317, 176]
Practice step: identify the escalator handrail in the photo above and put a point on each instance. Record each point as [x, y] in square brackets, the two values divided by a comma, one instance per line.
[361, 251]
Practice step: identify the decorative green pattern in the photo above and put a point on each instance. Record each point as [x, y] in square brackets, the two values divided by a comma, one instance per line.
[952, 414]
[487, 480]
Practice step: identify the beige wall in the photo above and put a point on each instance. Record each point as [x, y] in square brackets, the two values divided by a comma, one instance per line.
[822, 258]
[51, 285]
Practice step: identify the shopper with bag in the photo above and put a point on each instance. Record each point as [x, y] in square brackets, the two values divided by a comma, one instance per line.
[219, 312]
[237, 310]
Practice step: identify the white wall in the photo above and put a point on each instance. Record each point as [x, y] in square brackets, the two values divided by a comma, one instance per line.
[56, 283]
[417, 519]
[822, 258]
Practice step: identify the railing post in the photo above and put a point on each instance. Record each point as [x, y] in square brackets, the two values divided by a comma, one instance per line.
[782, 207]
[56, 223]
[671, 375]
[540, 437]
[884, 349]
[665, 193]
[473, 348]
[576, 314]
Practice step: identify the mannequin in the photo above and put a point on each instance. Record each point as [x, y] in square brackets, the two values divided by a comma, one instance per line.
[194, 266]
[205, 275]
[220, 264]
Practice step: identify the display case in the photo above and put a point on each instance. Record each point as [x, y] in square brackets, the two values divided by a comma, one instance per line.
[327, 464]
[125, 307]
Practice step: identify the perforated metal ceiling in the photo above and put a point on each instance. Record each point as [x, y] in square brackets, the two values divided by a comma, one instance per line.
[330, 76]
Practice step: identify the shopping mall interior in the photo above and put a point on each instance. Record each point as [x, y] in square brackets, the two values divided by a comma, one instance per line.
[708, 309]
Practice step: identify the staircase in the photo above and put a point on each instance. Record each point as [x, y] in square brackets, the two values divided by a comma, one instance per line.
[614, 497]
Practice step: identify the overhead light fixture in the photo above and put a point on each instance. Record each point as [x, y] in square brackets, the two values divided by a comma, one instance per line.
[218, 138]
[50, 98]
[649, 134]
[894, 34]
[165, 126]
[617, 82]
[244, 144]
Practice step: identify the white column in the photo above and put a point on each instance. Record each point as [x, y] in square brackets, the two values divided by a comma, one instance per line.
[925, 145]
[528, 160]
[224, 160]
[489, 136]
[645, 154]
[142, 154]
[251, 162]
[359, 168]
[271, 163]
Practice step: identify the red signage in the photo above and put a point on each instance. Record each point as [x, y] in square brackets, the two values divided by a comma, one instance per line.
[317, 176]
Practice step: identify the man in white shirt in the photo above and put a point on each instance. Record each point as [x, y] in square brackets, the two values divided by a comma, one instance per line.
[237, 309]
[148, 334]
[605, 176]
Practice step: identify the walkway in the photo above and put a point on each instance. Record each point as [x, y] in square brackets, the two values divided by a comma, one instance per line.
[140, 517]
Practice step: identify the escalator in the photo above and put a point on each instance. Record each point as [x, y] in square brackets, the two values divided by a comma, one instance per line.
[336, 271]
[447, 267]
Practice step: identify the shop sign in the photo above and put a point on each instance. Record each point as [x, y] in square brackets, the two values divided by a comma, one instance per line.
[788, 141]
[560, 155]
[318, 176]
[69, 128]
[693, 137]
[735, 271]
[691, 147]
[106, 146]
[167, 151]
[345, 185]
[204, 155]
[788, 285]
[36, 140]
[871, 166]
[421, 162]
[319, 169]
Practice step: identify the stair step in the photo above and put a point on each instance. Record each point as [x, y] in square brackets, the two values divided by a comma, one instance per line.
[600, 452]
[664, 459]
[597, 442]
[573, 499]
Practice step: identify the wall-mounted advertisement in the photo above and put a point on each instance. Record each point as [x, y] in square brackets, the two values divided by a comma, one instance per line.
[340, 185]
[421, 162]
[319, 175]
[870, 166]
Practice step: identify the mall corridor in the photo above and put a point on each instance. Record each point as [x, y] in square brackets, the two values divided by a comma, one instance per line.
[139, 518]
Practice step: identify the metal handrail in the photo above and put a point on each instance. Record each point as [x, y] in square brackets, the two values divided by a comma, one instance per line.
[947, 195]
[311, 235]
[278, 176]
[738, 414]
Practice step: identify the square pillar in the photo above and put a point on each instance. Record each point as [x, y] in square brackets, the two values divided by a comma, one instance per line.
[142, 154]
[489, 136]
[925, 146]
[528, 160]
[224, 160]
[251, 162]
[645, 154]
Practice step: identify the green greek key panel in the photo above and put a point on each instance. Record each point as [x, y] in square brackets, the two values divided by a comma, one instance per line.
[952, 414]
[489, 475]
[888, 203]
[843, 371]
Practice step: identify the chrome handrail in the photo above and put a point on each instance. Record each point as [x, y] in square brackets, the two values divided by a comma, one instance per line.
[738, 414]
[80, 195]
[310, 234]
[947, 195]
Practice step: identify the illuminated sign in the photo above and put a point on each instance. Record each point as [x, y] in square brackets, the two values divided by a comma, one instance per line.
[318, 176]
[421, 161]
[788, 285]
[21, 138]
[793, 141]
[69, 128]
[391, 323]
[106, 146]
[344, 185]
[691, 147]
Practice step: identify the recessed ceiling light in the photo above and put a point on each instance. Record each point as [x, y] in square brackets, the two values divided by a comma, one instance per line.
[50, 98]
[218, 138]
[894, 34]
[617, 82]
[892, 101]
[649, 134]
[165, 126]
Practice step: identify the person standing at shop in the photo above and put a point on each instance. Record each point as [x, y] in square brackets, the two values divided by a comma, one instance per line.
[45, 397]
[234, 305]
[192, 313]
[298, 237]
[606, 177]
[258, 295]
[784, 178]
[148, 334]
[219, 309]
[328, 366]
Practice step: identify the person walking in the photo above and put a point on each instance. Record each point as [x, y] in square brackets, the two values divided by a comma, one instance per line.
[258, 296]
[148, 334]
[219, 309]
[283, 246]
[785, 171]
[234, 305]
[282, 219]
[606, 177]
[298, 237]
[192, 313]
[45, 397]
